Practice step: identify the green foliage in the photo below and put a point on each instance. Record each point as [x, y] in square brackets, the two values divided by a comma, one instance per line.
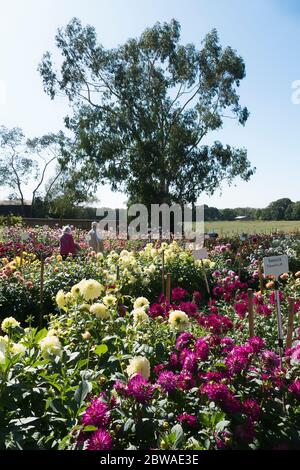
[142, 110]
[10, 220]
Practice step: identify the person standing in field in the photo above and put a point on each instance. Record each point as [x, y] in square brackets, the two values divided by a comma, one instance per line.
[94, 239]
[67, 244]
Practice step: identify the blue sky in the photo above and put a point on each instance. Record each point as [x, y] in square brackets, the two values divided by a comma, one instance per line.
[265, 32]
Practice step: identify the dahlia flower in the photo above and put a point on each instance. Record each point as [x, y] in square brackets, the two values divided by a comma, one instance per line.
[100, 440]
[141, 302]
[139, 365]
[50, 346]
[8, 324]
[140, 389]
[179, 320]
[188, 419]
[90, 289]
[139, 315]
[96, 414]
[60, 298]
[167, 380]
[100, 310]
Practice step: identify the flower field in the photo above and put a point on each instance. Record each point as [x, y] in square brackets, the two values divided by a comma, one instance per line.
[99, 352]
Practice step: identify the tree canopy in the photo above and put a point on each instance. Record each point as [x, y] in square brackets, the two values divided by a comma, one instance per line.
[142, 111]
[25, 160]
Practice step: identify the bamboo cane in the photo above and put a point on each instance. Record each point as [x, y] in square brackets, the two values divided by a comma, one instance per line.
[163, 274]
[250, 313]
[289, 338]
[42, 291]
[260, 275]
[205, 278]
[168, 287]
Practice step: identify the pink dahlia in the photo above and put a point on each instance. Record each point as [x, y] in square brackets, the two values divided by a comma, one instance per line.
[185, 418]
[178, 294]
[270, 359]
[100, 440]
[186, 381]
[215, 391]
[190, 362]
[294, 388]
[140, 389]
[96, 414]
[201, 349]
[168, 381]
[183, 340]
[227, 344]
[257, 343]
[252, 409]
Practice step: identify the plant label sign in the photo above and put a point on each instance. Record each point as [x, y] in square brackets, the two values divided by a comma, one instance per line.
[276, 265]
[24, 237]
[200, 254]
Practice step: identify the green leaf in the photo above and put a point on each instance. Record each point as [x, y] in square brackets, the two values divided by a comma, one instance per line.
[41, 334]
[101, 349]
[23, 421]
[128, 425]
[221, 425]
[90, 428]
[179, 435]
[82, 391]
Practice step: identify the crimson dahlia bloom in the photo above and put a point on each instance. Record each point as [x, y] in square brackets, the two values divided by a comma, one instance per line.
[273, 299]
[168, 381]
[96, 414]
[216, 323]
[239, 358]
[100, 440]
[178, 294]
[174, 361]
[183, 340]
[190, 362]
[231, 405]
[257, 343]
[186, 381]
[241, 309]
[294, 388]
[202, 349]
[215, 392]
[185, 418]
[158, 368]
[189, 308]
[270, 359]
[140, 389]
[252, 409]
[197, 297]
[156, 310]
[120, 388]
[214, 376]
[227, 344]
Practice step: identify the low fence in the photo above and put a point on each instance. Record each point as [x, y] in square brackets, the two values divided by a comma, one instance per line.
[76, 223]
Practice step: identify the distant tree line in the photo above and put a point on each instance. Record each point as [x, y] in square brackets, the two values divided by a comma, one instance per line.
[281, 209]
[62, 207]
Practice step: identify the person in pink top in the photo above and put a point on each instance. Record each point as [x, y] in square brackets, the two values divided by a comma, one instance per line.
[67, 244]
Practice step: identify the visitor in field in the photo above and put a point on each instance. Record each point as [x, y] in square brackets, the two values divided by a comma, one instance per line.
[67, 244]
[94, 239]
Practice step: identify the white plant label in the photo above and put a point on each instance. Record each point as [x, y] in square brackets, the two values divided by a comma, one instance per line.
[200, 254]
[276, 265]
[24, 237]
